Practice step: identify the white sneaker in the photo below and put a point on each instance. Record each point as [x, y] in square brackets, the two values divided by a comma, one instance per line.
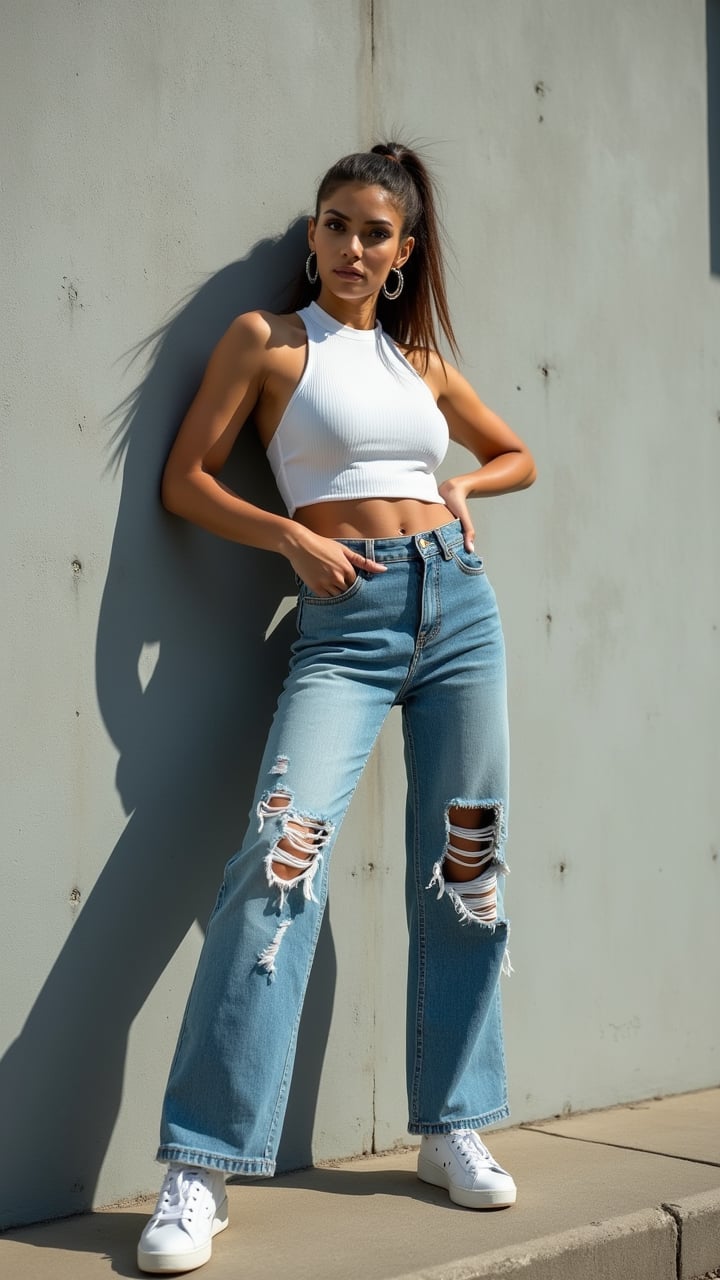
[462, 1163]
[191, 1209]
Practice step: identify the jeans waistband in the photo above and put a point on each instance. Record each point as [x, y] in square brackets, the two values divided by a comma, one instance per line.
[418, 546]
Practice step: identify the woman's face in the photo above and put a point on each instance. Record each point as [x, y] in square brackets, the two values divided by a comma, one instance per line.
[357, 237]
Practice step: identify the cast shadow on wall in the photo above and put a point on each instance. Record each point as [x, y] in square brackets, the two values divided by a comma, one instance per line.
[189, 731]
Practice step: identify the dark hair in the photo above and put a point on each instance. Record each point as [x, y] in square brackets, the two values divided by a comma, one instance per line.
[413, 317]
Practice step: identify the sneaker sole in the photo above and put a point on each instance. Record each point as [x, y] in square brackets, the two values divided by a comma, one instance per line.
[174, 1263]
[468, 1199]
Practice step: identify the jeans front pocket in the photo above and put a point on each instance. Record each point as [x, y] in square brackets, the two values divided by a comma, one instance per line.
[325, 616]
[309, 597]
[468, 561]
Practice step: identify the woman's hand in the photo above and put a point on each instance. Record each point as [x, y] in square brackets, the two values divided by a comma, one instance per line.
[454, 495]
[327, 567]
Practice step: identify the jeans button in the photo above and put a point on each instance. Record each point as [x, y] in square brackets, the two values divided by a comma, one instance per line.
[423, 542]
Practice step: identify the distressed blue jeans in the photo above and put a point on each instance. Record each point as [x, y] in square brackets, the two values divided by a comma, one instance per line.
[424, 635]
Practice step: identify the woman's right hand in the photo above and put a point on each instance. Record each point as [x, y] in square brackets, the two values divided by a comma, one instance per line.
[327, 567]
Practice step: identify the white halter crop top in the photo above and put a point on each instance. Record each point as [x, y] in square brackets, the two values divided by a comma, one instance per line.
[361, 422]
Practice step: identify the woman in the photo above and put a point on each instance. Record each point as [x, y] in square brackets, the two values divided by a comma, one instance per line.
[394, 608]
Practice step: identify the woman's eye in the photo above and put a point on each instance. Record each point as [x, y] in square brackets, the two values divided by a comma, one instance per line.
[333, 225]
[379, 234]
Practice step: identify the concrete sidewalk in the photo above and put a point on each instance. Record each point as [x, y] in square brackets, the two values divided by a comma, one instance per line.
[632, 1193]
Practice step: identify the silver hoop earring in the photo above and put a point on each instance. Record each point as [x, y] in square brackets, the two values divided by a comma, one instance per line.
[400, 285]
[311, 278]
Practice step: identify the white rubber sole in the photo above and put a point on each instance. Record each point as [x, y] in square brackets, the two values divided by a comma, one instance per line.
[156, 1263]
[497, 1199]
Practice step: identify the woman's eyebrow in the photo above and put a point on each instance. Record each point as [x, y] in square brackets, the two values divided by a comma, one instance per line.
[380, 222]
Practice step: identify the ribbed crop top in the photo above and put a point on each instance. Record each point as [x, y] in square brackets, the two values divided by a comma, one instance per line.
[361, 422]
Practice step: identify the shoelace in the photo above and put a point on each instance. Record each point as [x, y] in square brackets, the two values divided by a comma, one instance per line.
[473, 1151]
[179, 1194]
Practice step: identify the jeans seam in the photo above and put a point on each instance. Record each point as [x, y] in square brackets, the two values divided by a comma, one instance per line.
[481, 1121]
[418, 1046]
[435, 587]
[251, 1166]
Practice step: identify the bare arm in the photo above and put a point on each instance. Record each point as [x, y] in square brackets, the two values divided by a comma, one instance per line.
[231, 387]
[229, 391]
[506, 463]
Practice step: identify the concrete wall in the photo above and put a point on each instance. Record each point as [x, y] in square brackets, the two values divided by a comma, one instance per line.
[160, 157]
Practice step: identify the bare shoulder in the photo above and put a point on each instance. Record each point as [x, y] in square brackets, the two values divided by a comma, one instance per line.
[256, 330]
[251, 344]
[431, 366]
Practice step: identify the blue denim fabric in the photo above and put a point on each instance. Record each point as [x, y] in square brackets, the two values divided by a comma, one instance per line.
[425, 635]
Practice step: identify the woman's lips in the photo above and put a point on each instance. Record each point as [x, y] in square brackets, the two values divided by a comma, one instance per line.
[347, 274]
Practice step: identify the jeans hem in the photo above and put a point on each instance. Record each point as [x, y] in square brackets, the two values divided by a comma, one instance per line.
[473, 1122]
[251, 1166]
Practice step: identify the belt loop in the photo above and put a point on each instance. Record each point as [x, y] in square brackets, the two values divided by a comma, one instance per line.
[442, 543]
[369, 548]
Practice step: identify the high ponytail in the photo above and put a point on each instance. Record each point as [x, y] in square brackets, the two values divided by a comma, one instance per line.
[425, 294]
[414, 317]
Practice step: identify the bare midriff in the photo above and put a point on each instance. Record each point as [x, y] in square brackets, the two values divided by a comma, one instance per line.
[373, 517]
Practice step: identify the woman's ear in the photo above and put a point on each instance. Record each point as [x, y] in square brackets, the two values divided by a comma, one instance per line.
[404, 251]
[311, 234]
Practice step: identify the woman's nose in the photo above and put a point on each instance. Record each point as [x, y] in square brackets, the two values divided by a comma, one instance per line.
[353, 247]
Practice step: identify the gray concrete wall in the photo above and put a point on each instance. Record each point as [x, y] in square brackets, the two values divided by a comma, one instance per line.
[159, 157]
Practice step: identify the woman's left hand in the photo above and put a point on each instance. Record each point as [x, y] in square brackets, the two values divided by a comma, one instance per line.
[454, 495]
